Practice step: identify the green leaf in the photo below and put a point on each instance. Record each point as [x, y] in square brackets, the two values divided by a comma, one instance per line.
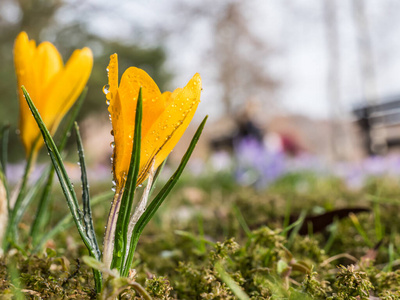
[87, 212]
[40, 218]
[159, 199]
[121, 231]
[65, 183]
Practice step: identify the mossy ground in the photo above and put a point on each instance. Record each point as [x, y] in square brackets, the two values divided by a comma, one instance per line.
[211, 229]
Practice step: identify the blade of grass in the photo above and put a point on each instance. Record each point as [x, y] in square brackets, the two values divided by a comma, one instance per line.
[40, 219]
[194, 238]
[65, 183]
[333, 229]
[360, 230]
[241, 220]
[15, 279]
[156, 176]
[159, 199]
[11, 228]
[388, 267]
[201, 245]
[121, 229]
[379, 227]
[87, 212]
[228, 280]
[31, 194]
[296, 228]
[4, 148]
[288, 210]
[67, 221]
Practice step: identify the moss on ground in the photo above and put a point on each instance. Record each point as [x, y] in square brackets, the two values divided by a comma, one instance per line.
[201, 237]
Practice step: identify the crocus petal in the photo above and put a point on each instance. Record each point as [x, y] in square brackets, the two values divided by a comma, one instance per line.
[46, 65]
[24, 53]
[66, 87]
[123, 109]
[112, 73]
[153, 104]
[165, 118]
[121, 144]
[52, 87]
[167, 130]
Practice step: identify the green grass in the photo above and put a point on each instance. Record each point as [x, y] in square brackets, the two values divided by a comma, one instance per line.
[213, 239]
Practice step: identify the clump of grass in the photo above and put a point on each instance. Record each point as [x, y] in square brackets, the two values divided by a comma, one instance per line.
[196, 256]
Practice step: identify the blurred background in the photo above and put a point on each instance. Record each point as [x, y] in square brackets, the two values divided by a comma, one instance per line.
[288, 86]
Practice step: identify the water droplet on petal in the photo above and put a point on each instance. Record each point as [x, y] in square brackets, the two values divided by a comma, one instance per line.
[106, 89]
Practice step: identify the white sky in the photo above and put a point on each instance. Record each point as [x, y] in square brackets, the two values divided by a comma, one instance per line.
[295, 29]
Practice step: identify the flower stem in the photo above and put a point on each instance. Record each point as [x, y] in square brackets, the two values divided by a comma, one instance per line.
[109, 235]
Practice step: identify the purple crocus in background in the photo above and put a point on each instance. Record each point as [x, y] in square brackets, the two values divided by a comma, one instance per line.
[255, 163]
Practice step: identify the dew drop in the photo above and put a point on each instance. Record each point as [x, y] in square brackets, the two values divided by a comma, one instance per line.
[112, 132]
[112, 144]
[106, 89]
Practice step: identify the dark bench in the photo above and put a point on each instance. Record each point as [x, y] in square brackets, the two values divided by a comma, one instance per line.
[380, 125]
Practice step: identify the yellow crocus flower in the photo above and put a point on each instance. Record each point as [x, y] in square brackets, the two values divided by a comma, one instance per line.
[53, 87]
[165, 118]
